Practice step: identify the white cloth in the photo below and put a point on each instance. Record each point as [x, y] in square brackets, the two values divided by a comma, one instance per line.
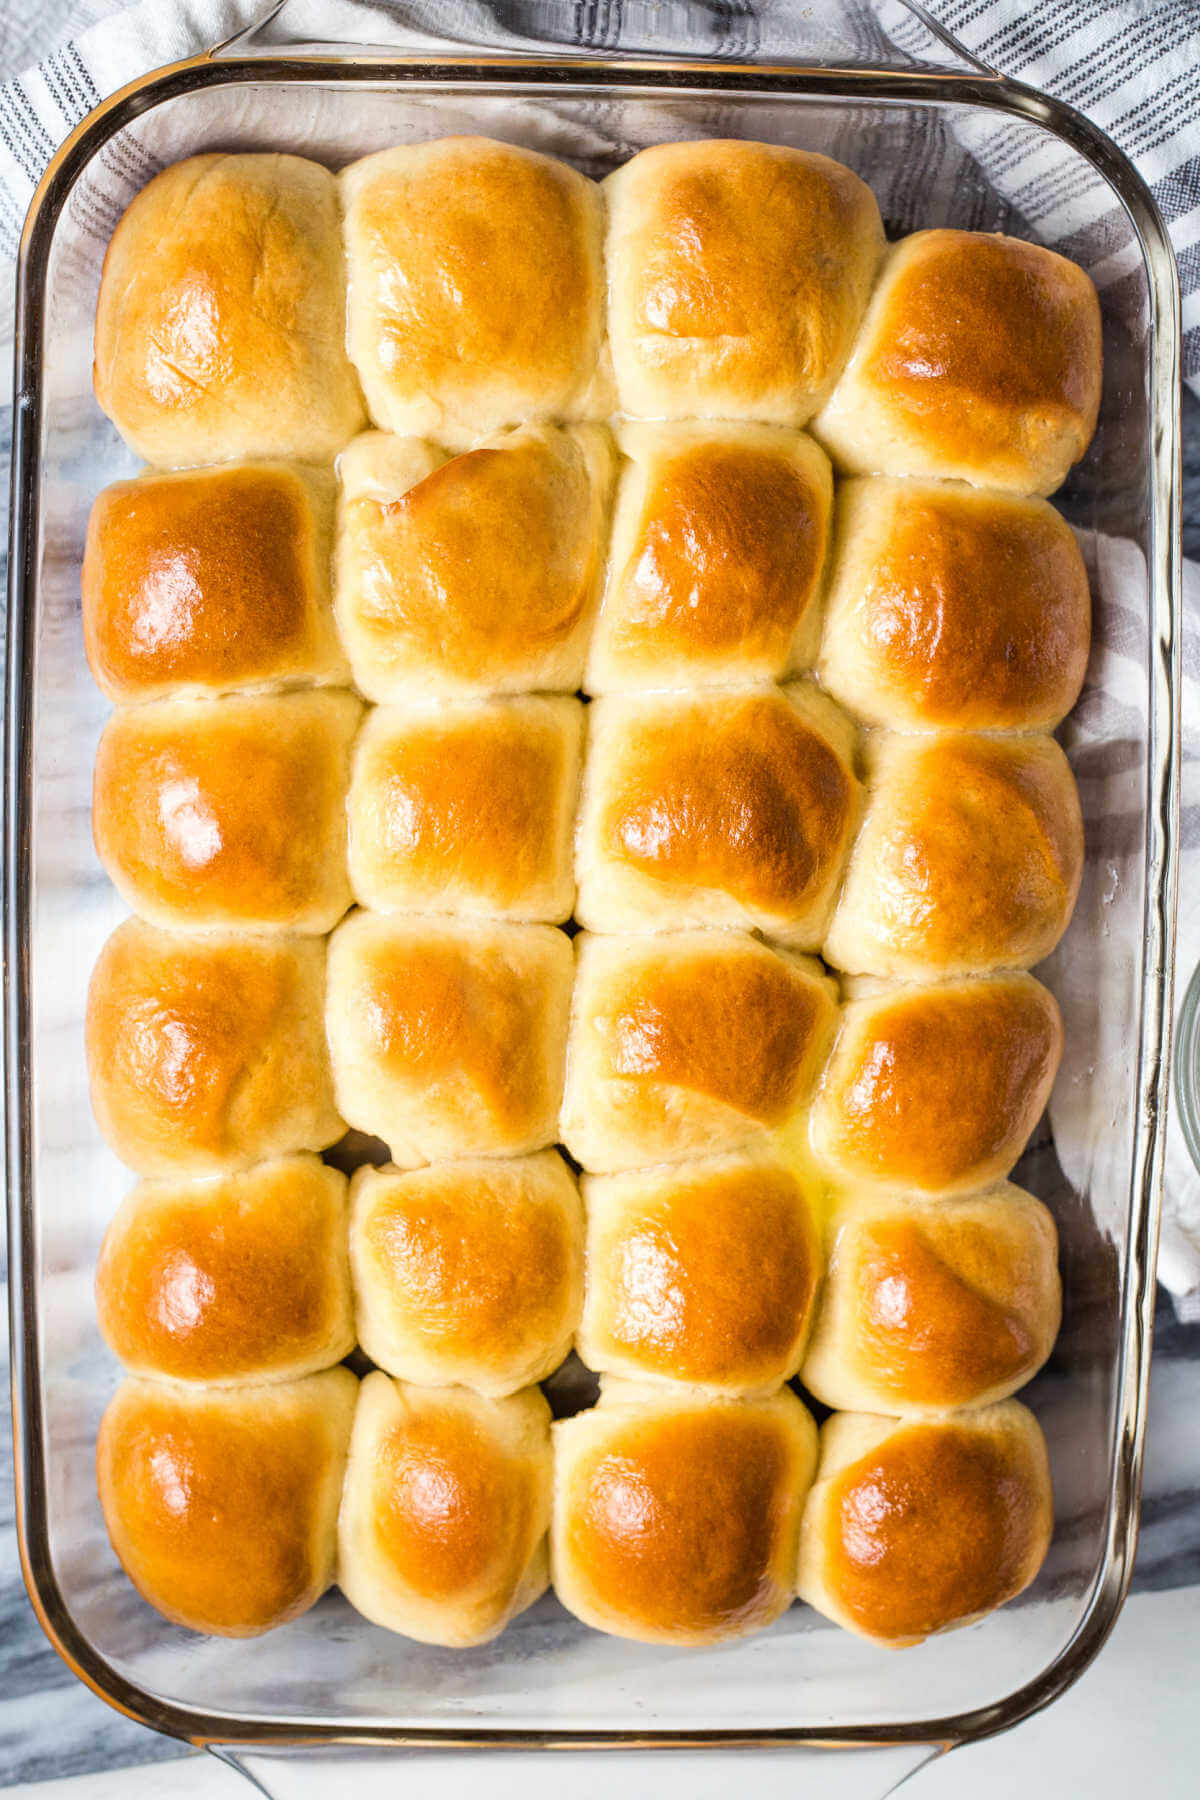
[1130, 64]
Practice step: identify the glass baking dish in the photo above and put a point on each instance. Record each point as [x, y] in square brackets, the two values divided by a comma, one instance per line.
[923, 138]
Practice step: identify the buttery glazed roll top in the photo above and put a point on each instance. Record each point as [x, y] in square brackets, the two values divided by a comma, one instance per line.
[718, 544]
[210, 580]
[938, 1088]
[222, 1503]
[208, 1053]
[929, 1305]
[675, 1518]
[688, 1042]
[228, 812]
[473, 574]
[220, 326]
[721, 810]
[969, 859]
[467, 808]
[442, 1534]
[953, 609]
[917, 1526]
[241, 1279]
[468, 1272]
[475, 287]
[978, 360]
[737, 276]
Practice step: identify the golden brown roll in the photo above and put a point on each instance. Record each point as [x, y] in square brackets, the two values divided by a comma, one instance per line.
[222, 1503]
[938, 1088]
[978, 360]
[446, 1040]
[731, 809]
[718, 544]
[209, 580]
[917, 1526]
[469, 1272]
[675, 1517]
[210, 813]
[686, 1043]
[442, 1533]
[928, 1305]
[475, 287]
[969, 859]
[221, 320]
[245, 1278]
[737, 277]
[208, 1053]
[467, 808]
[953, 609]
[704, 1273]
[472, 575]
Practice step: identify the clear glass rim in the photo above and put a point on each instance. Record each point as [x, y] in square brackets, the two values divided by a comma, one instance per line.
[1153, 1051]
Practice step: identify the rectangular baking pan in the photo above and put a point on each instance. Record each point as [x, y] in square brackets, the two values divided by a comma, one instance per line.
[331, 1678]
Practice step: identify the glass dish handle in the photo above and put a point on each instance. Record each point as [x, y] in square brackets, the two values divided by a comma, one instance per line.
[818, 1774]
[890, 35]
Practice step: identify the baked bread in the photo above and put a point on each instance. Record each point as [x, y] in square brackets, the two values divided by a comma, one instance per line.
[686, 1043]
[951, 609]
[675, 1517]
[447, 1040]
[719, 810]
[718, 543]
[210, 813]
[222, 1503]
[475, 288]
[470, 1272]
[737, 276]
[443, 1526]
[245, 1278]
[210, 580]
[978, 360]
[467, 808]
[220, 325]
[471, 575]
[916, 1526]
[928, 1305]
[704, 1273]
[208, 1053]
[969, 859]
[937, 1089]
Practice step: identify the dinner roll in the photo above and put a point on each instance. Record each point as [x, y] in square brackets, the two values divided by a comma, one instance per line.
[468, 1272]
[447, 1040]
[737, 276]
[208, 1053]
[211, 580]
[933, 1304]
[686, 1043]
[969, 859]
[916, 1526]
[221, 317]
[675, 1517]
[938, 1088]
[228, 812]
[948, 608]
[704, 1273]
[475, 287]
[245, 1278]
[978, 360]
[222, 1503]
[467, 808]
[718, 544]
[719, 810]
[472, 575]
[442, 1533]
